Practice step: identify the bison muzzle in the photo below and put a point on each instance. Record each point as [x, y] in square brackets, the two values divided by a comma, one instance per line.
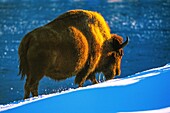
[78, 42]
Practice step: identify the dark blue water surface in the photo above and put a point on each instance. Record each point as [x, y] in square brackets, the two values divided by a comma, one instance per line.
[146, 22]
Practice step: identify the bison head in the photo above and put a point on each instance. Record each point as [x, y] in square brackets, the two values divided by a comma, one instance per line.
[113, 52]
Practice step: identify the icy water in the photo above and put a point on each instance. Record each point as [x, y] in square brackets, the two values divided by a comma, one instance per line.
[146, 22]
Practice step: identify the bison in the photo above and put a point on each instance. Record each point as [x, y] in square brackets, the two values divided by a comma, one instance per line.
[77, 42]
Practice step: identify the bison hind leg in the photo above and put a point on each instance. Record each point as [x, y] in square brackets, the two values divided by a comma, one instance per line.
[26, 88]
[31, 85]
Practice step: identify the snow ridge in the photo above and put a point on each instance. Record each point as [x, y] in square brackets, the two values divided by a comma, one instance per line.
[112, 88]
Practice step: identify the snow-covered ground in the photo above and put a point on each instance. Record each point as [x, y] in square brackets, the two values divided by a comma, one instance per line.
[144, 92]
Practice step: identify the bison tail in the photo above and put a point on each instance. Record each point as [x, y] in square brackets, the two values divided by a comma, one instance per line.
[22, 51]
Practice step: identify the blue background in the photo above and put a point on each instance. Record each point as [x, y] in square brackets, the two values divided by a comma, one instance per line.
[146, 22]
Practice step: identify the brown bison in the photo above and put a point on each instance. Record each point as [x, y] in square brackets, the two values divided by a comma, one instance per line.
[78, 42]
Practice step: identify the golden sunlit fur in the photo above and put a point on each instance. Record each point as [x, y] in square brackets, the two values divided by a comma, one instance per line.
[75, 43]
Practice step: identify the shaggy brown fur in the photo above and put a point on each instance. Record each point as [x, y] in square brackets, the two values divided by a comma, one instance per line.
[76, 43]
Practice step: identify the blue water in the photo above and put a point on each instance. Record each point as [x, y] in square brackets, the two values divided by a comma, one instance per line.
[146, 22]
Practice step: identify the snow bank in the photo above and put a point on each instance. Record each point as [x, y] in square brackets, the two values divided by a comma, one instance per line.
[144, 92]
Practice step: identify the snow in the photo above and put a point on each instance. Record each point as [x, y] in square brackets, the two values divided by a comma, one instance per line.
[144, 92]
[164, 110]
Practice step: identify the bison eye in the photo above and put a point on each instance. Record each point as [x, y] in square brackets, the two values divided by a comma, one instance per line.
[121, 52]
[115, 53]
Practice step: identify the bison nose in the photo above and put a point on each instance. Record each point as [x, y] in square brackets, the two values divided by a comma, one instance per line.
[118, 72]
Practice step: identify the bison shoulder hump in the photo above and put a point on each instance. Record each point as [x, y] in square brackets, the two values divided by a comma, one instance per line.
[81, 45]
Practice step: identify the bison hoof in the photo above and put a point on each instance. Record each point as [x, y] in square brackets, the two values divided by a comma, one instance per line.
[79, 81]
[80, 85]
[95, 81]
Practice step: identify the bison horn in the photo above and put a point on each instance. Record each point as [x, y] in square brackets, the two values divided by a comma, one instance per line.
[125, 43]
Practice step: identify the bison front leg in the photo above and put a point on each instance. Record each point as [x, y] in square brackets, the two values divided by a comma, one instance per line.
[92, 77]
[82, 76]
[88, 70]
[80, 79]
